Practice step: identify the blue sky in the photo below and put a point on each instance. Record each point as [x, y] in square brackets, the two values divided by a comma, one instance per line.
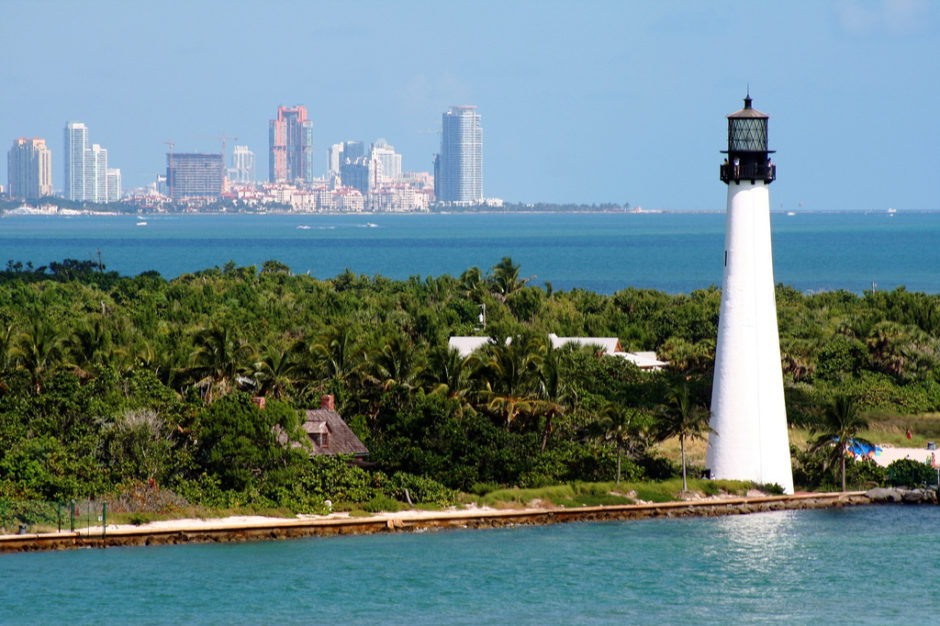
[581, 101]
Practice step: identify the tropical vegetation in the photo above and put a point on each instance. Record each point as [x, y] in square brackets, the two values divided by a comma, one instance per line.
[110, 385]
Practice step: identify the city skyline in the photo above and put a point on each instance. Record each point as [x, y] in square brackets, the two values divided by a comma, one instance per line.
[597, 104]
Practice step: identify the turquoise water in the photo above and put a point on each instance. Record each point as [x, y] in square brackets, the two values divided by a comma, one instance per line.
[865, 565]
[676, 253]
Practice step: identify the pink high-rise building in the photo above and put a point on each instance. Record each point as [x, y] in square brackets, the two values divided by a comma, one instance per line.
[291, 141]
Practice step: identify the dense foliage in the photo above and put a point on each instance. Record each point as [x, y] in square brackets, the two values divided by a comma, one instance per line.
[109, 382]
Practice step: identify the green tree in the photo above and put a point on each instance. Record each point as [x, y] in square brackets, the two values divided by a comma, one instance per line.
[838, 428]
[276, 371]
[620, 425]
[239, 442]
[89, 346]
[447, 375]
[38, 350]
[554, 393]
[681, 417]
[510, 374]
[397, 363]
[505, 278]
[220, 357]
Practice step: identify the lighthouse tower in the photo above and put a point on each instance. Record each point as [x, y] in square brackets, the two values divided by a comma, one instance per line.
[749, 439]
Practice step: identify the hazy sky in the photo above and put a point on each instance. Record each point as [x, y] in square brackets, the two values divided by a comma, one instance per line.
[580, 101]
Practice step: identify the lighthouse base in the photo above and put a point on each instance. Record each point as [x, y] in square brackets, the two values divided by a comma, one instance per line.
[749, 438]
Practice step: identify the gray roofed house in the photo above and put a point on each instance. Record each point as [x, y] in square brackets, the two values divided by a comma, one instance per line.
[329, 434]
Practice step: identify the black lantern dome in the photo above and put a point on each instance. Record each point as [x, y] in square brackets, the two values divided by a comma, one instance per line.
[747, 147]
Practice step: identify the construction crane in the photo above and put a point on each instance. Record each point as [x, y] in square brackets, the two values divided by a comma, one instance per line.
[170, 174]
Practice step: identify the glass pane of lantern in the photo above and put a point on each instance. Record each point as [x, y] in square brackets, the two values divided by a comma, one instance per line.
[747, 135]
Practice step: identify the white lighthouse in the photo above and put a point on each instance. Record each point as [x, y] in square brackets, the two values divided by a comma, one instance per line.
[749, 439]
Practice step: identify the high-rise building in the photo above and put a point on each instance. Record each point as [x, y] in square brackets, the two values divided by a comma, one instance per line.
[340, 154]
[191, 175]
[114, 184]
[290, 138]
[360, 174]
[458, 168]
[29, 169]
[243, 166]
[334, 158]
[86, 167]
[352, 150]
[387, 160]
[76, 143]
[96, 174]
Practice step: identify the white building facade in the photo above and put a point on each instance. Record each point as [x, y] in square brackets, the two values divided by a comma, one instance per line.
[243, 166]
[76, 143]
[458, 168]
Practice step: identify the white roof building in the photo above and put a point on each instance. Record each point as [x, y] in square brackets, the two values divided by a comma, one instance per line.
[611, 346]
[467, 345]
[608, 345]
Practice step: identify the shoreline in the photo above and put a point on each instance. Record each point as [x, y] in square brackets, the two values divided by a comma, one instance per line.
[240, 529]
[35, 212]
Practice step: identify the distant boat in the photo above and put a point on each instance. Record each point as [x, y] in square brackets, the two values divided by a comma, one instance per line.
[791, 213]
[370, 225]
[892, 211]
[141, 223]
[303, 227]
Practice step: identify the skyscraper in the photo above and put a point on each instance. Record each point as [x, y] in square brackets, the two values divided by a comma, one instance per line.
[86, 168]
[76, 142]
[114, 184]
[290, 137]
[96, 174]
[194, 175]
[387, 160]
[334, 158]
[359, 173]
[458, 168]
[29, 169]
[243, 166]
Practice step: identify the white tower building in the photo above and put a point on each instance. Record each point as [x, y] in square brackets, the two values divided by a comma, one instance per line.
[749, 438]
[76, 145]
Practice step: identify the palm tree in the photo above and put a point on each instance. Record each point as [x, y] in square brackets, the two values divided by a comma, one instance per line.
[220, 357]
[447, 375]
[619, 424]
[553, 391]
[339, 352]
[396, 363]
[38, 349]
[681, 417]
[506, 279]
[275, 372]
[838, 429]
[89, 346]
[510, 374]
[7, 338]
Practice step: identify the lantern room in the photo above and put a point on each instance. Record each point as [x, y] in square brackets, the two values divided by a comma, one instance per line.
[747, 147]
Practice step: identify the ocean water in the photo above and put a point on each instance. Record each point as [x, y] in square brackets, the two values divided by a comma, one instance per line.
[676, 253]
[863, 565]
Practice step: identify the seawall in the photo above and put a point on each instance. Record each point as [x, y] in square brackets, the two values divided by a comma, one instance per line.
[219, 531]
